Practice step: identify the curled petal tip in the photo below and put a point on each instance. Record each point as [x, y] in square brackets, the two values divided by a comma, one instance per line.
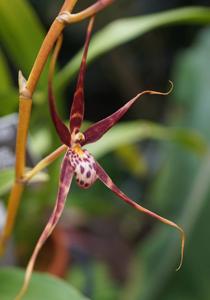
[161, 93]
[104, 177]
[182, 233]
[171, 87]
[97, 130]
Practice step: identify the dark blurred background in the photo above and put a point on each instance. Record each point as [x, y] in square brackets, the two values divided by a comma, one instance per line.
[141, 64]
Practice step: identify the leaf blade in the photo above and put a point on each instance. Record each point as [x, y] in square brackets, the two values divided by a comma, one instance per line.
[18, 24]
[125, 30]
[42, 286]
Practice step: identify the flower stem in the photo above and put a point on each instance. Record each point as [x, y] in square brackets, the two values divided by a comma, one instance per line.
[44, 163]
[27, 89]
[90, 11]
[25, 102]
[22, 132]
[50, 39]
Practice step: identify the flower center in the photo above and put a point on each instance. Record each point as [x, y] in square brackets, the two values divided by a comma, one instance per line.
[77, 138]
[84, 166]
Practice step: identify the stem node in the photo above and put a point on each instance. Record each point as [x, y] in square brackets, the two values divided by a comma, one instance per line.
[24, 92]
[64, 17]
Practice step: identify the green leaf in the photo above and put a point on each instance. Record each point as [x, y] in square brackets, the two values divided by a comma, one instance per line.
[125, 30]
[42, 286]
[6, 80]
[9, 101]
[181, 189]
[6, 180]
[131, 132]
[8, 94]
[153, 267]
[21, 33]
[133, 160]
[105, 287]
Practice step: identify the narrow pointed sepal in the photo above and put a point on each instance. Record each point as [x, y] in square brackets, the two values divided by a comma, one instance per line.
[104, 177]
[66, 176]
[60, 127]
[97, 130]
[77, 109]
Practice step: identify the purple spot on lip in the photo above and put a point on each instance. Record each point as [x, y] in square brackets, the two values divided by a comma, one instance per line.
[82, 169]
[88, 174]
[90, 167]
[86, 185]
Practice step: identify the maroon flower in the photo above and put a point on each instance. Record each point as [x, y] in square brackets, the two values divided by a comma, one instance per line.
[78, 161]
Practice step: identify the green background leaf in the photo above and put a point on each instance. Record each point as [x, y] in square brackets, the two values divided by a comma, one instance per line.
[6, 180]
[122, 31]
[135, 131]
[42, 286]
[17, 17]
[185, 182]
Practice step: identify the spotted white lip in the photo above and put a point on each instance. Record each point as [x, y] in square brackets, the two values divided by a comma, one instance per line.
[84, 167]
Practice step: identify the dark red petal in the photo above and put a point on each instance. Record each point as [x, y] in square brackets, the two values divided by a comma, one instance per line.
[77, 109]
[104, 177]
[66, 176]
[97, 130]
[61, 129]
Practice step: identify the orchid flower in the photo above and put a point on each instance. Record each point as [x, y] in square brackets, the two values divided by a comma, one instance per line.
[78, 161]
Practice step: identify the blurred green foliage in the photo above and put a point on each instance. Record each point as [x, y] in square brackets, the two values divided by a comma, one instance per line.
[178, 187]
[122, 31]
[184, 179]
[42, 286]
[195, 102]
[6, 180]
